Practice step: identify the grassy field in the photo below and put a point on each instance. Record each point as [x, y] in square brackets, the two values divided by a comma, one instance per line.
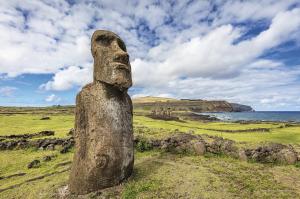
[31, 123]
[156, 174]
[289, 135]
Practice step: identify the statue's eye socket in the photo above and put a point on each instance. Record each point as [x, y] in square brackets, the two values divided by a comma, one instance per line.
[104, 40]
[121, 45]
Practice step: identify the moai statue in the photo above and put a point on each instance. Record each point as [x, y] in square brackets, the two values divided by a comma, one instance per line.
[103, 121]
[169, 112]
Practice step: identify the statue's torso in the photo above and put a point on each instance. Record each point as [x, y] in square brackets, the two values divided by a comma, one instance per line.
[103, 135]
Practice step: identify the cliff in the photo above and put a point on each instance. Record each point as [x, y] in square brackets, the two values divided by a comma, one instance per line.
[198, 105]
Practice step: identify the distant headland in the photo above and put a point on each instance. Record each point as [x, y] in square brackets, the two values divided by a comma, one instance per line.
[194, 105]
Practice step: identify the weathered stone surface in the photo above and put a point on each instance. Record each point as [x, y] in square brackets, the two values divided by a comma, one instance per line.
[111, 61]
[223, 146]
[184, 143]
[103, 120]
[288, 156]
[199, 148]
[242, 155]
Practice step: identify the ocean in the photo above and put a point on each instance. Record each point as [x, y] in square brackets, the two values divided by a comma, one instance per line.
[285, 116]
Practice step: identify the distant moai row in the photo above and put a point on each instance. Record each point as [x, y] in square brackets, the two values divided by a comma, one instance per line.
[161, 111]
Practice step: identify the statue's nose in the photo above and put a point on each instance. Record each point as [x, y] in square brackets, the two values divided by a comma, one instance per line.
[118, 45]
[121, 57]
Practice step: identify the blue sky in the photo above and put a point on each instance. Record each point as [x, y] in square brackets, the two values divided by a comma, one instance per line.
[241, 51]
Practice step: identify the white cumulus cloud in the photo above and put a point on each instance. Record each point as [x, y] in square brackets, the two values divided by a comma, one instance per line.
[68, 78]
[199, 49]
[52, 98]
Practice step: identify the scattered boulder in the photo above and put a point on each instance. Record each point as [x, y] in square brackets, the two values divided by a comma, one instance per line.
[199, 148]
[71, 132]
[64, 150]
[273, 153]
[50, 147]
[45, 118]
[223, 146]
[34, 164]
[184, 143]
[288, 156]
[47, 158]
[242, 155]
[67, 145]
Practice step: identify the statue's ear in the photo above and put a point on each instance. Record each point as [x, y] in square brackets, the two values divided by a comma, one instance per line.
[102, 160]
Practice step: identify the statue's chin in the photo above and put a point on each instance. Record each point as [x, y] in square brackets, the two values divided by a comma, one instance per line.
[122, 86]
[121, 80]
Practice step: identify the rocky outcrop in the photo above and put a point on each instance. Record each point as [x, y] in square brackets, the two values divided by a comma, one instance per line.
[241, 108]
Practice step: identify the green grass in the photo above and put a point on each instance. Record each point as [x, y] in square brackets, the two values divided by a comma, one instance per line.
[16, 161]
[157, 174]
[21, 124]
[174, 176]
[166, 175]
[61, 124]
[290, 135]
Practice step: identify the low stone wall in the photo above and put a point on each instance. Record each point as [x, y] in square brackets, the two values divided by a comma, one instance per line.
[44, 144]
[179, 142]
[201, 144]
[28, 135]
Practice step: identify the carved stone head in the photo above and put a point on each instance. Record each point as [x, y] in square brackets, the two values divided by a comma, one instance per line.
[111, 60]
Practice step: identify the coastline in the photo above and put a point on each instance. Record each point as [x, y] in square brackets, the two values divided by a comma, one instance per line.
[257, 116]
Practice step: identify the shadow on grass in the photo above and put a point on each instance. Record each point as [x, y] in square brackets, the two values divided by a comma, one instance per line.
[141, 181]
